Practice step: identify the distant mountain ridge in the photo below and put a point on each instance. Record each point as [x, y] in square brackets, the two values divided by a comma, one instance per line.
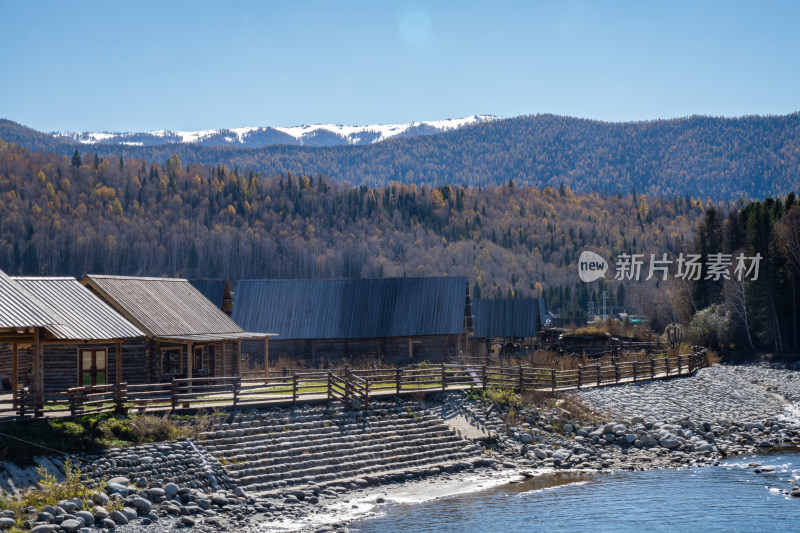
[306, 135]
[722, 159]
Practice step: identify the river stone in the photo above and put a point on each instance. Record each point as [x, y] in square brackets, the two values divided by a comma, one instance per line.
[116, 488]
[156, 492]
[100, 513]
[119, 518]
[43, 528]
[171, 489]
[526, 438]
[100, 498]
[541, 454]
[45, 516]
[221, 500]
[669, 441]
[71, 525]
[120, 480]
[6, 522]
[129, 512]
[87, 517]
[107, 523]
[142, 505]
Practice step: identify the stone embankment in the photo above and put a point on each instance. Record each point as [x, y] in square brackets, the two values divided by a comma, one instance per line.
[298, 463]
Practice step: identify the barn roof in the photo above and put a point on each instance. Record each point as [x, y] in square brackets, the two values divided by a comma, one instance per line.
[166, 308]
[79, 313]
[352, 309]
[21, 309]
[213, 289]
[506, 318]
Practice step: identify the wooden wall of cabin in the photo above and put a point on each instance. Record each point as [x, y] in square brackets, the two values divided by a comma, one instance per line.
[302, 352]
[61, 363]
[25, 364]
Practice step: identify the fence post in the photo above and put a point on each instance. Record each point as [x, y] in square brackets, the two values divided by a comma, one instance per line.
[616, 373]
[580, 376]
[294, 388]
[398, 374]
[483, 377]
[652, 368]
[597, 370]
[366, 392]
[21, 401]
[173, 394]
[553, 378]
[680, 364]
[73, 401]
[521, 381]
[444, 378]
[237, 386]
[285, 373]
[634, 371]
[120, 396]
[329, 386]
[666, 364]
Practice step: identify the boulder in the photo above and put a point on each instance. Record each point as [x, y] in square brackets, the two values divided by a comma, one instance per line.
[669, 441]
[118, 518]
[142, 505]
[71, 525]
[86, 516]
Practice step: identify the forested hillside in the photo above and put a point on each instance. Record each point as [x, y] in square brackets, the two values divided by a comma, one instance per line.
[755, 312]
[718, 158]
[85, 213]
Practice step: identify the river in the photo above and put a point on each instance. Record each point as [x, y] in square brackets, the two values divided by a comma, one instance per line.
[728, 497]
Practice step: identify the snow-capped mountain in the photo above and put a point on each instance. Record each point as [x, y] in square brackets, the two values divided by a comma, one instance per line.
[307, 135]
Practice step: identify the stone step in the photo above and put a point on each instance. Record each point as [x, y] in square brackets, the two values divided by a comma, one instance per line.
[229, 436]
[333, 451]
[344, 463]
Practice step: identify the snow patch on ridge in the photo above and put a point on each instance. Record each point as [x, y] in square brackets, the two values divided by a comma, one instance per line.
[333, 134]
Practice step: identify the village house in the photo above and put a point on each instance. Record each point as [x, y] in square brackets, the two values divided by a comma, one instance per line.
[505, 323]
[56, 334]
[390, 319]
[186, 334]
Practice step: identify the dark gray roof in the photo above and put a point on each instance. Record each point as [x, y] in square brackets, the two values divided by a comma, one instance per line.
[352, 309]
[80, 314]
[213, 289]
[505, 318]
[163, 307]
[21, 309]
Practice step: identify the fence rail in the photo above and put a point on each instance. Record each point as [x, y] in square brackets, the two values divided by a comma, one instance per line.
[348, 386]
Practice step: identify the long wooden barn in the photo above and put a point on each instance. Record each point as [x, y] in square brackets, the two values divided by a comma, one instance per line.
[186, 334]
[56, 334]
[389, 319]
[505, 321]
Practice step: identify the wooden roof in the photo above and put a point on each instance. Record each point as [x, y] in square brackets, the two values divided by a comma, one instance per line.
[165, 307]
[352, 309]
[506, 318]
[216, 290]
[79, 313]
[21, 309]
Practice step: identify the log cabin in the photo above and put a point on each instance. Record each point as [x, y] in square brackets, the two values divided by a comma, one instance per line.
[509, 321]
[186, 334]
[71, 338]
[396, 320]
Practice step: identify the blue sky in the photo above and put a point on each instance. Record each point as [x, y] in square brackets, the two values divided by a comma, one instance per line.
[134, 66]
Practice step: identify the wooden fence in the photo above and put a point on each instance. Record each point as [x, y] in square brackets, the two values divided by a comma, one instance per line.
[345, 385]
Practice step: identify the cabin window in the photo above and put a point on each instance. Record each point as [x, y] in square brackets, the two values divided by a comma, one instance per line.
[171, 362]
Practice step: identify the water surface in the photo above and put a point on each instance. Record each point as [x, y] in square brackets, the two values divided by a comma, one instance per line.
[729, 497]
